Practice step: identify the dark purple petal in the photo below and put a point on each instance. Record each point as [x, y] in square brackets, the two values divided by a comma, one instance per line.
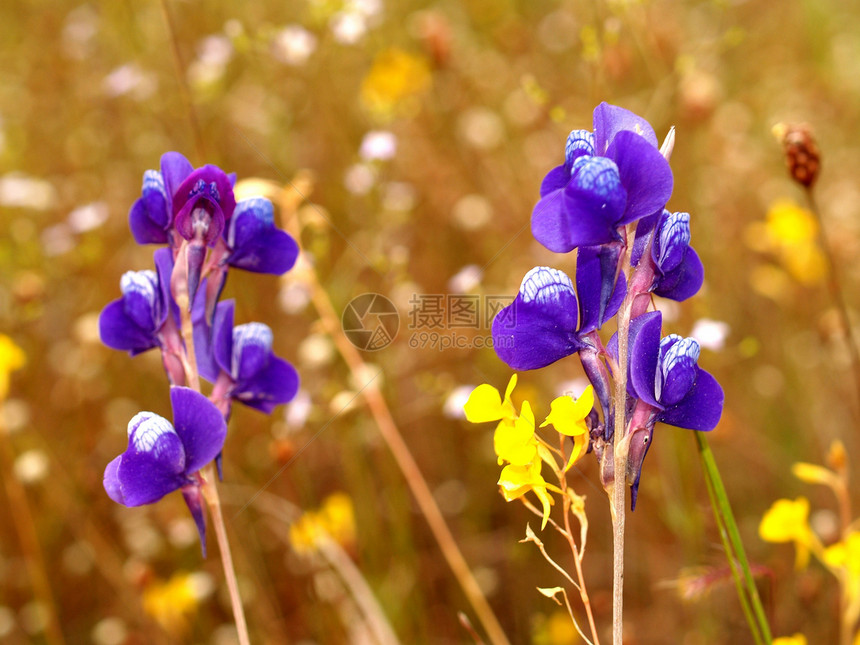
[200, 426]
[152, 466]
[141, 298]
[600, 285]
[701, 409]
[579, 143]
[222, 335]
[586, 212]
[555, 179]
[256, 244]
[644, 227]
[678, 368]
[118, 331]
[163, 259]
[206, 188]
[207, 366]
[609, 120]
[644, 351]
[275, 384]
[539, 327]
[174, 169]
[149, 216]
[644, 173]
[143, 479]
[685, 281]
[252, 347]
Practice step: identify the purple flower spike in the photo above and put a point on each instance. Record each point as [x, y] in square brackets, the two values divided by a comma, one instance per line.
[608, 180]
[255, 243]
[244, 359]
[163, 457]
[540, 326]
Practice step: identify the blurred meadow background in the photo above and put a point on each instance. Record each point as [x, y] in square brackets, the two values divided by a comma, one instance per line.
[419, 132]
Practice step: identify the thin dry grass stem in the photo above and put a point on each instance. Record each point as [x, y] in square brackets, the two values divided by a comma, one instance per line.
[467, 625]
[184, 92]
[210, 493]
[28, 537]
[577, 557]
[281, 510]
[835, 287]
[389, 431]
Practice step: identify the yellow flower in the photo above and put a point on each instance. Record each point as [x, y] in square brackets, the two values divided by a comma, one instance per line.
[514, 441]
[486, 404]
[172, 603]
[843, 558]
[568, 417]
[797, 639]
[335, 520]
[12, 358]
[788, 521]
[392, 83]
[516, 481]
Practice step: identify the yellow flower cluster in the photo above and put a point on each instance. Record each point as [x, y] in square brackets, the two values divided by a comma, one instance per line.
[335, 520]
[518, 446]
[788, 521]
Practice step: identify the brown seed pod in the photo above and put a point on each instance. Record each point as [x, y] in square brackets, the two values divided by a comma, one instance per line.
[801, 152]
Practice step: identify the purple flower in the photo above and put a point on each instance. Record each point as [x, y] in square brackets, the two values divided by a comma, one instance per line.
[668, 385]
[543, 324]
[203, 204]
[610, 178]
[134, 322]
[163, 457]
[240, 361]
[678, 271]
[151, 216]
[255, 243]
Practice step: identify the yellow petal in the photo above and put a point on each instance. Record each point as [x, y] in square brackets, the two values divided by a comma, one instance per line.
[785, 520]
[580, 446]
[484, 404]
[797, 639]
[511, 385]
[814, 474]
[568, 416]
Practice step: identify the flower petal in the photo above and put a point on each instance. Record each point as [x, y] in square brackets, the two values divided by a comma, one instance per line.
[609, 120]
[701, 409]
[174, 169]
[252, 347]
[149, 216]
[644, 350]
[200, 426]
[275, 384]
[644, 173]
[600, 285]
[555, 179]
[539, 327]
[484, 404]
[684, 281]
[257, 245]
[118, 331]
[222, 335]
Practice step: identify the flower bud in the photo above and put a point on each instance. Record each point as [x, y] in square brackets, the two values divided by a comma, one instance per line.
[801, 152]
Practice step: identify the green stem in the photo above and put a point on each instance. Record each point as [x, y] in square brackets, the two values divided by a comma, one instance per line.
[735, 548]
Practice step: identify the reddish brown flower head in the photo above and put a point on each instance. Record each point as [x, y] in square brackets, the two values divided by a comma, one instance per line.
[801, 152]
